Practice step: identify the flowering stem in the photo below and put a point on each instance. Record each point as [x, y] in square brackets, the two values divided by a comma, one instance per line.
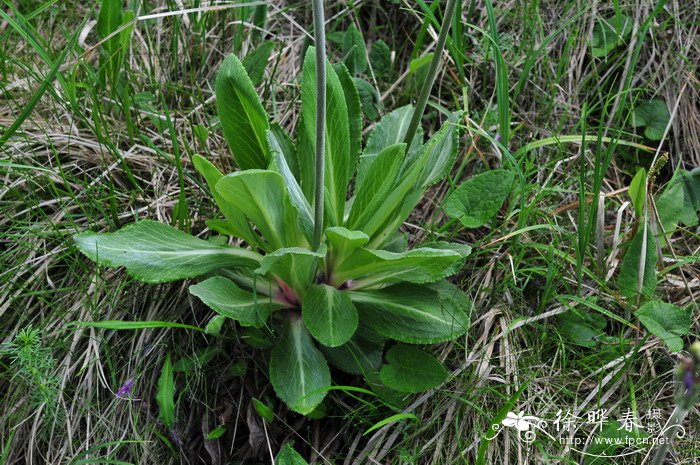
[320, 38]
[432, 72]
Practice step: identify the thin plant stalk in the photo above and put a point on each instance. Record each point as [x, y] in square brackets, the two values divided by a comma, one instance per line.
[320, 39]
[432, 72]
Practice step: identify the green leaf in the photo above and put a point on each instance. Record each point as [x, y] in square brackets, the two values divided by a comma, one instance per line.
[262, 196]
[236, 222]
[654, 116]
[225, 298]
[255, 62]
[478, 199]
[422, 265]
[582, 328]
[411, 370]
[214, 326]
[638, 191]
[627, 280]
[438, 154]
[665, 321]
[392, 419]
[608, 33]
[294, 265]
[671, 207]
[108, 21]
[376, 185]
[243, 118]
[410, 313]
[286, 146]
[166, 394]
[390, 130]
[263, 410]
[352, 99]
[196, 361]
[380, 58]
[288, 456]
[299, 201]
[343, 240]
[360, 355]
[338, 163]
[118, 325]
[155, 252]
[354, 51]
[329, 315]
[391, 397]
[216, 433]
[369, 98]
[298, 371]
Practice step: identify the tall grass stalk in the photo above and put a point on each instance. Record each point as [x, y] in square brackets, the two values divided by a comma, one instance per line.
[320, 38]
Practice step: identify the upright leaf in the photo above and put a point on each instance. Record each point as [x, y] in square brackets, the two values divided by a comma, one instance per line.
[154, 252]
[410, 313]
[243, 118]
[343, 240]
[298, 371]
[263, 197]
[478, 199]
[329, 315]
[638, 191]
[337, 154]
[166, 394]
[352, 99]
[225, 298]
[296, 266]
[380, 58]
[255, 62]
[627, 280]
[354, 51]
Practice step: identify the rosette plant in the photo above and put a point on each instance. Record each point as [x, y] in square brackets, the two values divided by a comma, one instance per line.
[334, 282]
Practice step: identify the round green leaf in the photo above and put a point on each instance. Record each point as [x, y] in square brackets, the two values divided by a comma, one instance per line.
[412, 370]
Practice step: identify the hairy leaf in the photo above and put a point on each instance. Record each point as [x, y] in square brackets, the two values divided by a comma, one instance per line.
[410, 313]
[478, 199]
[243, 118]
[154, 252]
[229, 300]
[666, 321]
[255, 62]
[296, 266]
[298, 371]
[329, 315]
[412, 370]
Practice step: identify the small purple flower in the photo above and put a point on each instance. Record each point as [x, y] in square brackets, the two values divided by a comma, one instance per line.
[498, 137]
[126, 388]
[688, 379]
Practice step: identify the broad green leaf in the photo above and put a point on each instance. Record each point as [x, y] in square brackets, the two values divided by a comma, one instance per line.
[638, 191]
[393, 398]
[410, 313]
[155, 252]
[329, 315]
[108, 20]
[216, 433]
[608, 33]
[214, 326]
[296, 266]
[255, 62]
[671, 207]
[665, 321]
[478, 199]
[354, 51]
[627, 280]
[262, 196]
[380, 59]
[165, 396]
[229, 300]
[236, 222]
[299, 202]
[288, 456]
[582, 328]
[369, 98]
[352, 99]
[372, 267]
[243, 118]
[654, 116]
[376, 185]
[409, 369]
[298, 371]
[610, 442]
[390, 130]
[360, 355]
[338, 163]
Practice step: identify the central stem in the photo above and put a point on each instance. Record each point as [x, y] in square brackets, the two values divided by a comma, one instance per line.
[320, 38]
